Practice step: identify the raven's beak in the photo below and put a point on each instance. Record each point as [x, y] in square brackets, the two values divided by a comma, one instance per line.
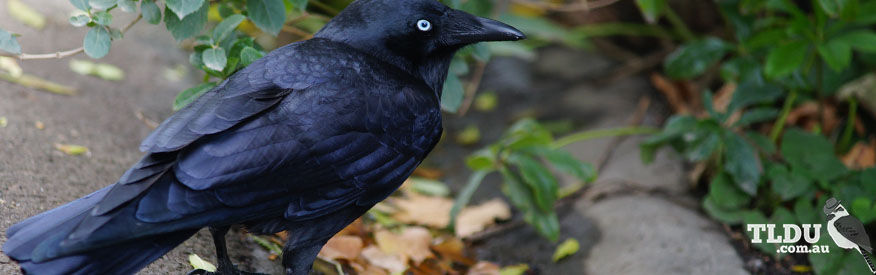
[465, 28]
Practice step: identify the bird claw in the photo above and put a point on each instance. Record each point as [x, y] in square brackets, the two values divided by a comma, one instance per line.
[235, 272]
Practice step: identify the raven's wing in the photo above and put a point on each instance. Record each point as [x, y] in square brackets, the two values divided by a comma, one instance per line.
[248, 92]
[310, 154]
[851, 228]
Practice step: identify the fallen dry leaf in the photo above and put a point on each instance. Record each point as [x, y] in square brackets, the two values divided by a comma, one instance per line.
[862, 155]
[671, 91]
[484, 268]
[423, 210]
[722, 98]
[341, 247]
[429, 173]
[475, 218]
[454, 250]
[376, 257]
[806, 115]
[412, 243]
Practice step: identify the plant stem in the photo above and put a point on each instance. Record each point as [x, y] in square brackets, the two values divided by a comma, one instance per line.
[678, 24]
[786, 109]
[67, 53]
[602, 133]
[846, 139]
[38, 83]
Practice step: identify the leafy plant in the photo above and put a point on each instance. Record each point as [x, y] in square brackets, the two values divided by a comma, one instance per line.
[781, 55]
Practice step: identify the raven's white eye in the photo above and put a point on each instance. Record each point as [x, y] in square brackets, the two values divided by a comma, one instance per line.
[424, 25]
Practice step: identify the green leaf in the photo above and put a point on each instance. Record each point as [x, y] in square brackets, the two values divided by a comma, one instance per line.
[763, 143]
[102, 4]
[830, 7]
[675, 127]
[227, 26]
[756, 115]
[8, 43]
[188, 26]
[692, 59]
[706, 139]
[103, 18]
[788, 185]
[547, 224]
[97, 42]
[862, 40]
[726, 195]
[301, 5]
[864, 209]
[539, 179]
[128, 5]
[786, 58]
[214, 58]
[249, 55]
[481, 52]
[566, 248]
[474, 181]
[429, 187]
[741, 162]
[268, 15]
[191, 94]
[182, 8]
[80, 4]
[458, 66]
[753, 92]
[79, 20]
[150, 11]
[836, 53]
[731, 216]
[199, 263]
[651, 9]
[805, 212]
[811, 155]
[452, 94]
[566, 163]
[480, 160]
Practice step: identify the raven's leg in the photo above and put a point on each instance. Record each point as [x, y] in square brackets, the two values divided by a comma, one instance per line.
[298, 258]
[225, 266]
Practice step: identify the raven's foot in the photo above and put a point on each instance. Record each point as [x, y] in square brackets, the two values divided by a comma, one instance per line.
[234, 271]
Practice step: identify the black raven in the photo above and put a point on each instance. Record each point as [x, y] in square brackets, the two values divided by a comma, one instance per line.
[305, 139]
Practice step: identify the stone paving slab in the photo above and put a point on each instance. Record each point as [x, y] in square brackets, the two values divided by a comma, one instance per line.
[648, 235]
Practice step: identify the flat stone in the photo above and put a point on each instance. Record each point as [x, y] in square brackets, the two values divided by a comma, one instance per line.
[648, 235]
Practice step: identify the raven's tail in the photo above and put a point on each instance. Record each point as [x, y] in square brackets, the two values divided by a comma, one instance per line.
[123, 258]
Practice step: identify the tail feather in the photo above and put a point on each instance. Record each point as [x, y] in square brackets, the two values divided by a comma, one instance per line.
[43, 232]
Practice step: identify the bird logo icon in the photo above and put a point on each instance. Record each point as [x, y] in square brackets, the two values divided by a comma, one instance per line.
[847, 231]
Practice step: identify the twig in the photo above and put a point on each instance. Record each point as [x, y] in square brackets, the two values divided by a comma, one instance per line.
[472, 87]
[296, 31]
[38, 83]
[582, 5]
[67, 53]
[635, 66]
[636, 120]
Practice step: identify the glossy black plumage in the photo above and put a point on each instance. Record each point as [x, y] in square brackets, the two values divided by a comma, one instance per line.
[305, 139]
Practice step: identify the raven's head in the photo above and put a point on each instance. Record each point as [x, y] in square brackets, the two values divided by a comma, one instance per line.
[419, 36]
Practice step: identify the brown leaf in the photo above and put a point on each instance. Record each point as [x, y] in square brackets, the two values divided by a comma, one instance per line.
[429, 173]
[674, 95]
[376, 257]
[453, 249]
[722, 98]
[341, 247]
[806, 115]
[423, 210]
[475, 218]
[412, 243]
[861, 156]
[484, 268]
